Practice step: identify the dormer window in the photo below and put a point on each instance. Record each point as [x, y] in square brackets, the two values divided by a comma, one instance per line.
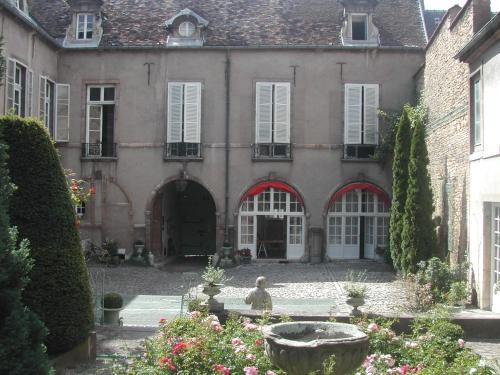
[186, 29]
[21, 5]
[85, 26]
[359, 26]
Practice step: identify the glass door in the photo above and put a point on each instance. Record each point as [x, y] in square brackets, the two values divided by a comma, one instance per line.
[495, 247]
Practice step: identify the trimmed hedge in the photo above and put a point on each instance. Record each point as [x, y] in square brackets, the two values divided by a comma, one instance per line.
[41, 208]
[21, 331]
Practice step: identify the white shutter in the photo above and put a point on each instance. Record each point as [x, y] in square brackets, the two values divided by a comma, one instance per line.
[371, 115]
[192, 112]
[352, 114]
[282, 113]
[11, 71]
[263, 112]
[62, 112]
[41, 108]
[174, 122]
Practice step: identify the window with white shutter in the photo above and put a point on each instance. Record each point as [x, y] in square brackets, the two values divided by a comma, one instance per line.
[272, 120]
[361, 120]
[46, 108]
[62, 112]
[184, 120]
[19, 88]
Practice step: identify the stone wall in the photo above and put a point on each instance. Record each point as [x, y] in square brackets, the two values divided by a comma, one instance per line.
[445, 95]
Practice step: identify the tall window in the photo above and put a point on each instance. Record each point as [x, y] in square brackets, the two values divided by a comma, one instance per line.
[54, 108]
[184, 120]
[361, 120]
[359, 27]
[100, 122]
[84, 26]
[477, 136]
[496, 245]
[19, 88]
[272, 120]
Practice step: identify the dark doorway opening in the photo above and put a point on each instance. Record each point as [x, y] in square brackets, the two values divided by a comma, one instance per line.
[189, 222]
[271, 237]
[362, 237]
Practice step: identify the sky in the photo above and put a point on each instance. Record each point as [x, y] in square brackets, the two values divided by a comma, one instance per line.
[446, 4]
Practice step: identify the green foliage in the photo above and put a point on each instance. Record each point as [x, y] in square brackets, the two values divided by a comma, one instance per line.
[112, 301]
[200, 345]
[214, 275]
[21, 332]
[355, 287]
[399, 185]
[434, 346]
[418, 238]
[41, 208]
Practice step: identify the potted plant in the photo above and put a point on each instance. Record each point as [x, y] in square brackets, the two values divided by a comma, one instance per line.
[110, 248]
[139, 247]
[355, 290]
[214, 279]
[112, 303]
[245, 256]
[149, 257]
[380, 251]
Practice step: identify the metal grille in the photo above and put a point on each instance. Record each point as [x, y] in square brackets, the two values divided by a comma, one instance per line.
[272, 150]
[99, 150]
[182, 150]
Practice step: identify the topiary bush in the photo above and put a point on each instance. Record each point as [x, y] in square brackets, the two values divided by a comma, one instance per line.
[41, 208]
[21, 332]
[112, 301]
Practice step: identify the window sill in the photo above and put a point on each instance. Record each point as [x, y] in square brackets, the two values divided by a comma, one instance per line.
[476, 155]
[99, 158]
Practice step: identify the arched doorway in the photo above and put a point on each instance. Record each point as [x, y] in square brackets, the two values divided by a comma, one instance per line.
[358, 222]
[184, 220]
[271, 221]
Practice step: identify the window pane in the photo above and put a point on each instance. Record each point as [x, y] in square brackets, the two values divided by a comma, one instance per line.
[359, 27]
[351, 201]
[109, 93]
[95, 93]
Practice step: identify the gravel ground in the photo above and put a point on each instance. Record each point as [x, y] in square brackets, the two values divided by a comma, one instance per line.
[386, 293]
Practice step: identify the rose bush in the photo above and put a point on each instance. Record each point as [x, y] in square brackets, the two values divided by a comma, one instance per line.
[199, 345]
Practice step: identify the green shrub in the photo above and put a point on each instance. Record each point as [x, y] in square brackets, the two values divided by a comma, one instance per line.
[21, 332]
[41, 208]
[458, 293]
[112, 301]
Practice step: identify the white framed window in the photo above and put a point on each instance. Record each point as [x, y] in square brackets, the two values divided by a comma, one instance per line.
[272, 119]
[476, 112]
[54, 108]
[19, 88]
[496, 245]
[247, 224]
[295, 230]
[21, 5]
[359, 26]
[84, 26]
[335, 230]
[382, 231]
[80, 210]
[100, 121]
[361, 120]
[187, 29]
[351, 229]
[184, 119]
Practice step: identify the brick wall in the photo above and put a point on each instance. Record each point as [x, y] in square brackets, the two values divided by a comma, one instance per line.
[445, 94]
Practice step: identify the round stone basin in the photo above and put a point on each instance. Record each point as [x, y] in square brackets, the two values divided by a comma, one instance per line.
[301, 347]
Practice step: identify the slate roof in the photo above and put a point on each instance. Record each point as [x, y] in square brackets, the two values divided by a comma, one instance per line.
[432, 19]
[140, 23]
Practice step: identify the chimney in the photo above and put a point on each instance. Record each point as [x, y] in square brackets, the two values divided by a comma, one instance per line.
[481, 14]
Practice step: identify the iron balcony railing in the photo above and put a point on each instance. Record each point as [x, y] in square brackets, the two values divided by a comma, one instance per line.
[272, 151]
[359, 151]
[182, 150]
[99, 150]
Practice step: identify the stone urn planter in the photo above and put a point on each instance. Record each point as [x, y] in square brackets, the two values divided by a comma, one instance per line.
[301, 347]
[355, 302]
[112, 304]
[212, 290]
[111, 317]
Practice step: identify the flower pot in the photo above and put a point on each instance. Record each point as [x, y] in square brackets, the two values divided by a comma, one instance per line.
[139, 249]
[211, 291]
[151, 259]
[245, 259]
[355, 302]
[112, 316]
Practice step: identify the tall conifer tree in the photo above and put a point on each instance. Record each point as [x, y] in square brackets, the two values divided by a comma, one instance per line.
[21, 331]
[418, 239]
[399, 185]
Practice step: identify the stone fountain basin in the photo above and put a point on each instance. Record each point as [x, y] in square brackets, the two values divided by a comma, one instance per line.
[301, 347]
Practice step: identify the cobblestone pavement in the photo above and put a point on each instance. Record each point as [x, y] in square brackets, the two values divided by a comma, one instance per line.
[489, 350]
[286, 281]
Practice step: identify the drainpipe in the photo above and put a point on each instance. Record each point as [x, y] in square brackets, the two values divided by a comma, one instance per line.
[226, 202]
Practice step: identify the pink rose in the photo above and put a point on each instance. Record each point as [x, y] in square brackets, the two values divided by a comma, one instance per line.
[373, 327]
[250, 357]
[195, 314]
[269, 372]
[251, 370]
[163, 320]
[216, 326]
[236, 341]
[461, 343]
[250, 327]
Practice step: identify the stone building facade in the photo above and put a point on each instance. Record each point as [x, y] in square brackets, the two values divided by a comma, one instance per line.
[446, 96]
[201, 123]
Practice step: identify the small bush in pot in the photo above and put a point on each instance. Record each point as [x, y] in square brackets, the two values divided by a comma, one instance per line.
[112, 303]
